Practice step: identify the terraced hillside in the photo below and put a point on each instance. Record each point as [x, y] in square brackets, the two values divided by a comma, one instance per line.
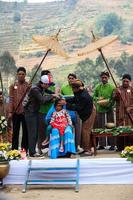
[19, 21]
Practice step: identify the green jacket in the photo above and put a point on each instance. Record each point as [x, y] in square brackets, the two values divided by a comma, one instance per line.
[44, 108]
[66, 90]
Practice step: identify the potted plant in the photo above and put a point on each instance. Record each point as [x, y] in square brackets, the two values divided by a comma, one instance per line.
[128, 153]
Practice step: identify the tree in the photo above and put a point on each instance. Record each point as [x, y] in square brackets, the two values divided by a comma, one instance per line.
[38, 75]
[130, 36]
[7, 63]
[88, 70]
[17, 17]
[123, 65]
[109, 24]
[8, 67]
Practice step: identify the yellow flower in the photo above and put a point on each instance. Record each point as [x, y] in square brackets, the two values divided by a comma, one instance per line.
[7, 154]
[127, 149]
[13, 155]
[5, 146]
[128, 152]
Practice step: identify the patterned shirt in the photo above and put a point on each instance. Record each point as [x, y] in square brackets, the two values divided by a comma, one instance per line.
[16, 91]
[60, 120]
[122, 118]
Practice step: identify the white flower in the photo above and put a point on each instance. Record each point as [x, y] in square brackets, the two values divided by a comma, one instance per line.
[5, 123]
[128, 90]
[15, 87]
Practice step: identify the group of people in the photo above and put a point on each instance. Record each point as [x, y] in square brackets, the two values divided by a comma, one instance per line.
[62, 119]
[117, 108]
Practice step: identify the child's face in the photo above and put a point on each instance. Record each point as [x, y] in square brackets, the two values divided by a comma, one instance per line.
[58, 107]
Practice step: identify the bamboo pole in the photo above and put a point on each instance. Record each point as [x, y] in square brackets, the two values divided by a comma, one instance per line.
[31, 80]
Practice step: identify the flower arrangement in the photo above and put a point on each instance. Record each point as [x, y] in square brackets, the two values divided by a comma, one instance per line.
[6, 154]
[5, 146]
[13, 155]
[3, 124]
[128, 153]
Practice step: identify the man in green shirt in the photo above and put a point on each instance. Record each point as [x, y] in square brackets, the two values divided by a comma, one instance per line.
[104, 105]
[67, 88]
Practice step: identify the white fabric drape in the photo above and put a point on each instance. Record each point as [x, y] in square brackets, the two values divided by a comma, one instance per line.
[92, 171]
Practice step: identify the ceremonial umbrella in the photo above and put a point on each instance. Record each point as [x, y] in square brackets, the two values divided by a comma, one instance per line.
[50, 44]
[98, 44]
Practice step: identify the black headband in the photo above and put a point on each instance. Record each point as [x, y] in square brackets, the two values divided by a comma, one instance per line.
[104, 73]
[126, 76]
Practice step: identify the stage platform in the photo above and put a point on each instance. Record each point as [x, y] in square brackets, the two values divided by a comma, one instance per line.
[92, 171]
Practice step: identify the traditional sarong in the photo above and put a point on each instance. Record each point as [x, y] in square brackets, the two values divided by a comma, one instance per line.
[69, 142]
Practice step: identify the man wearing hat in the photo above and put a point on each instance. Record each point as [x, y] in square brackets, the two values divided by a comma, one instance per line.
[126, 92]
[36, 98]
[43, 110]
[82, 102]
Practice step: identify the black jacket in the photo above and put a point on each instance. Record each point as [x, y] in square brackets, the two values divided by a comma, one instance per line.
[82, 103]
[36, 98]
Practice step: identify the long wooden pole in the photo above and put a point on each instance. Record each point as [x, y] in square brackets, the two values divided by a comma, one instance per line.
[1, 82]
[106, 63]
[2, 89]
[30, 82]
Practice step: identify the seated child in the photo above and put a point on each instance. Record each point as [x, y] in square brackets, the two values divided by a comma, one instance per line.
[60, 119]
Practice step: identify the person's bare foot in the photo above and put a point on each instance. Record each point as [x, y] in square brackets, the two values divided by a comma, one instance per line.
[61, 149]
[73, 156]
[86, 153]
[44, 143]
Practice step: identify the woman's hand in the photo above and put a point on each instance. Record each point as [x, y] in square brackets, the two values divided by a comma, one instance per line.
[57, 96]
[63, 102]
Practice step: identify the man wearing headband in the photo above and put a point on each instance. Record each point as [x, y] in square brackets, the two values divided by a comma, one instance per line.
[126, 92]
[82, 102]
[67, 90]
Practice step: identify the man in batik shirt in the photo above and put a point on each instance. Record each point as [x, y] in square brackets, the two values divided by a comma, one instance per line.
[122, 119]
[16, 110]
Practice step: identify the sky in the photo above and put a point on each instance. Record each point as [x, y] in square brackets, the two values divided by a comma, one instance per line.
[34, 1]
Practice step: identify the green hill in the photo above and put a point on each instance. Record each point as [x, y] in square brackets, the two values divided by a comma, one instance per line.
[19, 21]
